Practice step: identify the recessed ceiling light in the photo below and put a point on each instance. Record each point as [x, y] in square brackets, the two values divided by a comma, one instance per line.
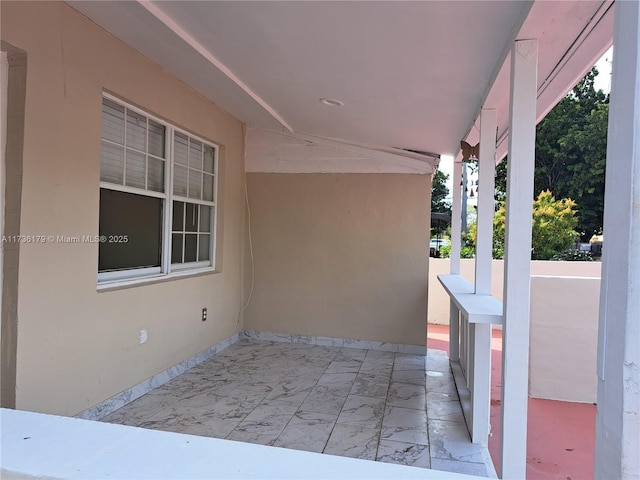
[331, 102]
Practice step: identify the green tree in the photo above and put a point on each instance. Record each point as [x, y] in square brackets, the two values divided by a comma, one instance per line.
[571, 148]
[499, 227]
[501, 181]
[587, 170]
[571, 145]
[439, 193]
[552, 229]
[439, 202]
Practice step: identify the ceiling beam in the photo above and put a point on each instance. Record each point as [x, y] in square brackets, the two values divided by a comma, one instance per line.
[167, 21]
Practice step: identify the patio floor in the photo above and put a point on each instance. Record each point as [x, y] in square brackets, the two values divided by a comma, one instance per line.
[367, 404]
[561, 435]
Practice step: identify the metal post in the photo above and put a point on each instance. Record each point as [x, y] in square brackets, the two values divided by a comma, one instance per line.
[464, 198]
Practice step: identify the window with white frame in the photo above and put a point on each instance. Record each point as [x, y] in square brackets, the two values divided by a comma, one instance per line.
[157, 196]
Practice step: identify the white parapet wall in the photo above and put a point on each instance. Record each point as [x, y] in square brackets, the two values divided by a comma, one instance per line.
[438, 309]
[564, 338]
[564, 323]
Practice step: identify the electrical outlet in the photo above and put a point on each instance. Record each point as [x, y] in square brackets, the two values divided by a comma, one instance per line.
[143, 336]
[204, 314]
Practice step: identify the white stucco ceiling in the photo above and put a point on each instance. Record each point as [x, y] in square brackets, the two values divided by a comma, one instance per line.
[411, 75]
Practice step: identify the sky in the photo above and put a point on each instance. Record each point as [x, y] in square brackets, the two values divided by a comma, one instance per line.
[603, 82]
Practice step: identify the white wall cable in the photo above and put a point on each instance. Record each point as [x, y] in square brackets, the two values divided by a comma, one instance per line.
[253, 265]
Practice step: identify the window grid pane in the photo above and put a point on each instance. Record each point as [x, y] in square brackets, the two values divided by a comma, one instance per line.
[111, 163]
[208, 188]
[209, 159]
[155, 174]
[195, 184]
[195, 154]
[135, 167]
[191, 232]
[112, 121]
[203, 247]
[156, 139]
[181, 149]
[180, 180]
[132, 166]
[197, 181]
[177, 246]
[190, 247]
[136, 131]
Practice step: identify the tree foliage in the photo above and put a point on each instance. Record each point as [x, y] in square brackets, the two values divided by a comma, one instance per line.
[553, 228]
[571, 147]
[501, 181]
[439, 202]
[439, 193]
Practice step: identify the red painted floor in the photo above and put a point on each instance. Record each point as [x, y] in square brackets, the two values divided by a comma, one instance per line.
[561, 435]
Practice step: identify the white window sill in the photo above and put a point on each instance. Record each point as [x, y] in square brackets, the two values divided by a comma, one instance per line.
[110, 285]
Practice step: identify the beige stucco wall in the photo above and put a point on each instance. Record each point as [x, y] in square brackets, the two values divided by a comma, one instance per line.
[76, 346]
[564, 338]
[340, 255]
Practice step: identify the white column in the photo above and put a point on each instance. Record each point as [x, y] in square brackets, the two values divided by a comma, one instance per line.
[456, 221]
[465, 215]
[517, 265]
[617, 452]
[481, 391]
[454, 332]
[486, 180]
[4, 96]
[456, 225]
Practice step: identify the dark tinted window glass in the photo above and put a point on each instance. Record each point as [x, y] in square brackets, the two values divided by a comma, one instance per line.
[190, 248]
[178, 216]
[191, 223]
[132, 225]
[176, 247]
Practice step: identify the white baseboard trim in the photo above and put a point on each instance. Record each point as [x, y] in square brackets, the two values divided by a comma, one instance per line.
[335, 342]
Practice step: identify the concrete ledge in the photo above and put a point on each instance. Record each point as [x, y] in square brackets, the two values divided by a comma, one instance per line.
[476, 308]
[38, 446]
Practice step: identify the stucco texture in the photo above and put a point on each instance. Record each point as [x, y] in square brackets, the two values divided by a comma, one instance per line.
[77, 346]
[340, 255]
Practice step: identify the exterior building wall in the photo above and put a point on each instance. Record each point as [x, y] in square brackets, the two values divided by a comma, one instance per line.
[78, 346]
[340, 255]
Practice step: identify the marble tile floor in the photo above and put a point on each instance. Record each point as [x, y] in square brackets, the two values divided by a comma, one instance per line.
[383, 406]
